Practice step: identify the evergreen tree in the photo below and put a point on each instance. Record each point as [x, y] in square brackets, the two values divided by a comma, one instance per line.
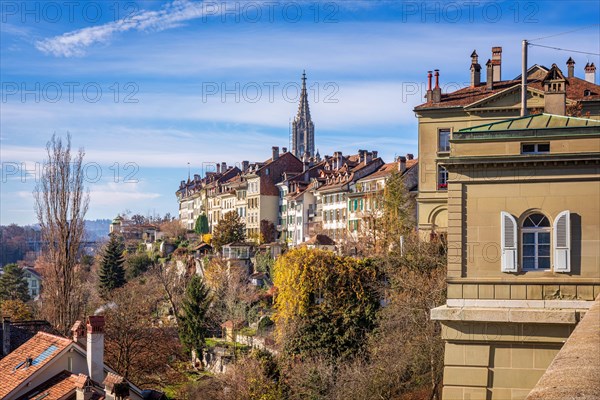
[193, 325]
[112, 272]
[229, 229]
[13, 285]
[201, 227]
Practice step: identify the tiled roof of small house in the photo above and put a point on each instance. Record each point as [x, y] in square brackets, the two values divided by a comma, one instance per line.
[58, 387]
[321, 240]
[40, 350]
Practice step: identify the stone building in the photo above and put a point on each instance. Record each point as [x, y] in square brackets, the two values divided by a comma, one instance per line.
[485, 102]
[523, 200]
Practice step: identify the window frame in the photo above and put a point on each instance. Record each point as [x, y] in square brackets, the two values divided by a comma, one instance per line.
[446, 149]
[536, 230]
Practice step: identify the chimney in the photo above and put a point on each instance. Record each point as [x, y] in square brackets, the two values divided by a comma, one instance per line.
[437, 91]
[275, 152]
[429, 95]
[570, 68]
[218, 168]
[223, 167]
[410, 156]
[95, 347]
[475, 70]
[375, 153]
[555, 92]
[489, 79]
[401, 164]
[284, 150]
[497, 63]
[78, 332]
[245, 165]
[83, 389]
[368, 157]
[590, 73]
[5, 336]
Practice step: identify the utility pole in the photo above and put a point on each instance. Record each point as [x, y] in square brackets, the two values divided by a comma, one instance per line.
[524, 79]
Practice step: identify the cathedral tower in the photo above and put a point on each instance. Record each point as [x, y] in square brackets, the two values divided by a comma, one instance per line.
[303, 129]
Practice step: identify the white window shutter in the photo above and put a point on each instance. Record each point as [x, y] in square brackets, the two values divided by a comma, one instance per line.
[562, 242]
[508, 241]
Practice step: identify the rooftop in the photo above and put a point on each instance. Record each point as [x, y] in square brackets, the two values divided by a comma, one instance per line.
[40, 349]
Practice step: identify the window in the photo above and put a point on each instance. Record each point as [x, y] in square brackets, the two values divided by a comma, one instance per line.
[33, 283]
[442, 178]
[536, 242]
[535, 148]
[444, 140]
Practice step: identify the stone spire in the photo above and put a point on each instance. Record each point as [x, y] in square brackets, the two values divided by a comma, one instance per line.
[303, 129]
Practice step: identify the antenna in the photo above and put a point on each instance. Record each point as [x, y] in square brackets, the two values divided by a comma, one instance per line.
[524, 79]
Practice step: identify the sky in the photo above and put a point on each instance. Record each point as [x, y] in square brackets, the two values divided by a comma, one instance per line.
[153, 89]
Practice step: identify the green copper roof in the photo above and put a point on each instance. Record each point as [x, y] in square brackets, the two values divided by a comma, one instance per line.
[538, 121]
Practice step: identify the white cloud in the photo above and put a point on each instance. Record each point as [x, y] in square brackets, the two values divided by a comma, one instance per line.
[75, 43]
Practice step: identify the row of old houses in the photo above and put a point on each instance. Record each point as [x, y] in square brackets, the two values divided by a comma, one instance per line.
[293, 196]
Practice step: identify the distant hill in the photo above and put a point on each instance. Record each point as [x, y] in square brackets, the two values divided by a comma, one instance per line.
[97, 229]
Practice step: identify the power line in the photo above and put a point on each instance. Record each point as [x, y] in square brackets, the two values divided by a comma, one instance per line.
[564, 33]
[561, 49]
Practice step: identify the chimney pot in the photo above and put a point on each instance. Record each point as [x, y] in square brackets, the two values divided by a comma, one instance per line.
[284, 150]
[428, 95]
[570, 68]
[410, 156]
[590, 73]
[437, 91]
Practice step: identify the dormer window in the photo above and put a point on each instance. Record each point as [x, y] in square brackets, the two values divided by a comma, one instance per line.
[535, 148]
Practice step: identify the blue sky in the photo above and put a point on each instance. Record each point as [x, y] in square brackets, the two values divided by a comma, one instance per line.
[148, 86]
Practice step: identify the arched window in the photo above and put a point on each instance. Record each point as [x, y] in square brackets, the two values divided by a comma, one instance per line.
[536, 242]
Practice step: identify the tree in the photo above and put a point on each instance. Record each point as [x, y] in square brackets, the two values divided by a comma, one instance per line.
[112, 273]
[136, 345]
[398, 210]
[194, 326]
[201, 227]
[267, 231]
[229, 229]
[61, 204]
[137, 264]
[13, 285]
[16, 310]
[326, 304]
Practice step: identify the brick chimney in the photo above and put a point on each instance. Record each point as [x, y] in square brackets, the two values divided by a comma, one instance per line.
[590, 73]
[570, 68]
[5, 336]
[245, 165]
[401, 163]
[489, 78]
[437, 91]
[95, 347]
[475, 70]
[497, 63]
[218, 168]
[223, 167]
[78, 332]
[275, 153]
[429, 95]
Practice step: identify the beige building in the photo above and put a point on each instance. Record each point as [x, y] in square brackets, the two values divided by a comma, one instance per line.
[485, 102]
[523, 234]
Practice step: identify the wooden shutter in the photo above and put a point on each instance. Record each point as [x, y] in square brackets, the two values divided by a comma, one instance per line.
[562, 242]
[508, 242]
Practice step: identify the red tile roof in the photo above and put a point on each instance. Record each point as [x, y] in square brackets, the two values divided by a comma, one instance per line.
[465, 96]
[42, 348]
[55, 388]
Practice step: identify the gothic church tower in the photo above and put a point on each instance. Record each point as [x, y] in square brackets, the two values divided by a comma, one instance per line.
[303, 129]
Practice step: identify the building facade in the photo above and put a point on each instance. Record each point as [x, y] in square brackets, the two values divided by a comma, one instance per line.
[485, 102]
[524, 250]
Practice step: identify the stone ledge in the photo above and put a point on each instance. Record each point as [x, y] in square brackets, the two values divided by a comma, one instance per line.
[529, 304]
[536, 316]
[574, 372]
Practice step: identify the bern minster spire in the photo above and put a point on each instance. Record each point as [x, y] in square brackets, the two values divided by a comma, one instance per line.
[303, 129]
